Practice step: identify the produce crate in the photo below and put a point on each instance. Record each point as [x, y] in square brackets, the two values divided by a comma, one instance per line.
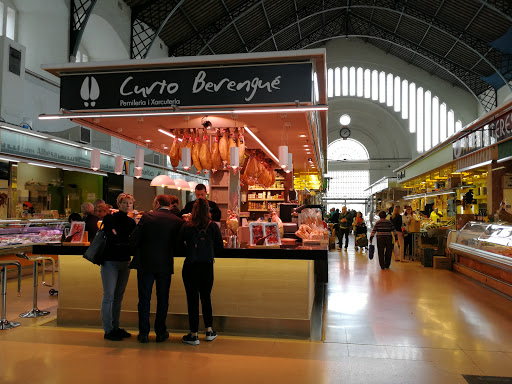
[441, 262]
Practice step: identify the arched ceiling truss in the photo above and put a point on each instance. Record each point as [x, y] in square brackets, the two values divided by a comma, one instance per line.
[442, 37]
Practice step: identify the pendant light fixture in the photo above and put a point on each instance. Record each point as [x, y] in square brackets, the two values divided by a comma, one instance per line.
[289, 166]
[138, 173]
[162, 181]
[118, 168]
[186, 160]
[181, 184]
[139, 158]
[234, 160]
[95, 159]
[283, 156]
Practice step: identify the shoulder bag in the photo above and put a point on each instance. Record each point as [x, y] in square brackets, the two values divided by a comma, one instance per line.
[94, 253]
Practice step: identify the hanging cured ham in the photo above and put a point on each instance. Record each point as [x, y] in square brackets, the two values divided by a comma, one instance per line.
[241, 146]
[216, 160]
[174, 153]
[232, 143]
[182, 144]
[195, 155]
[224, 147]
[204, 154]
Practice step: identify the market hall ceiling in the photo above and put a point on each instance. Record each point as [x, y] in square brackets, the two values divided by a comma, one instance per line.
[467, 43]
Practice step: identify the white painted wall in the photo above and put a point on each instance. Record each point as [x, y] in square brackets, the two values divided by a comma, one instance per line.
[381, 130]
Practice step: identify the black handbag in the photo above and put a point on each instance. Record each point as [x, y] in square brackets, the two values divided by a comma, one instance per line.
[94, 253]
[371, 251]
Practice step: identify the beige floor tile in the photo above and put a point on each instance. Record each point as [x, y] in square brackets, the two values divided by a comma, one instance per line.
[492, 363]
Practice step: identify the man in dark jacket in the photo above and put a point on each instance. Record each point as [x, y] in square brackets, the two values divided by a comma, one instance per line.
[155, 240]
[346, 219]
[200, 192]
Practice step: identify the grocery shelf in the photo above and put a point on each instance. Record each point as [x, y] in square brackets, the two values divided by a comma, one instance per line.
[265, 199]
[258, 210]
[265, 189]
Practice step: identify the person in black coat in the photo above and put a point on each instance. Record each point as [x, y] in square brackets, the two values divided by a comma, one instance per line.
[200, 192]
[200, 240]
[174, 201]
[155, 241]
[91, 220]
[115, 267]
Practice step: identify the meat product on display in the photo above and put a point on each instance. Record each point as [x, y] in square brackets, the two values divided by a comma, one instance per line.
[174, 152]
[216, 160]
[195, 155]
[232, 222]
[232, 143]
[182, 144]
[204, 154]
[241, 146]
[224, 147]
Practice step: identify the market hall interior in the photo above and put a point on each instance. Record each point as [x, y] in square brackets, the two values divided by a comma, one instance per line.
[408, 324]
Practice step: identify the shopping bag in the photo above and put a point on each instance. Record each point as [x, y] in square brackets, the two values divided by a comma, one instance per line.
[371, 251]
[396, 251]
[94, 253]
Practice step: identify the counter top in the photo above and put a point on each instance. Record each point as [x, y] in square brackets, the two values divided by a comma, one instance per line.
[285, 252]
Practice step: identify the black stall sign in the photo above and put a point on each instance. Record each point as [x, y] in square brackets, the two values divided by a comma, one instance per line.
[167, 88]
[494, 132]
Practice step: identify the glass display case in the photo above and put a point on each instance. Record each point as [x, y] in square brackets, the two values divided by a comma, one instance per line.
[29, 232]
[490, 243]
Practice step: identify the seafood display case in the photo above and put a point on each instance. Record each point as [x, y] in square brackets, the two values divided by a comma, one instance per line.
[16, 233]
[487, 243]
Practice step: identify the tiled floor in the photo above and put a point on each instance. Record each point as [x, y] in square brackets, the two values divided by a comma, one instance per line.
[408, 324]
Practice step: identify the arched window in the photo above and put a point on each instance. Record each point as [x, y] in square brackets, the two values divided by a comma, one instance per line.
[347, 150]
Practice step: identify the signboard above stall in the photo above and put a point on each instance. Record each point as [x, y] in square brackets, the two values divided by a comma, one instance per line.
[496, 131]
[190, 87]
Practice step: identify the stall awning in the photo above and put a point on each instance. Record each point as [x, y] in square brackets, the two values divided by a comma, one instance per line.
[477, 159]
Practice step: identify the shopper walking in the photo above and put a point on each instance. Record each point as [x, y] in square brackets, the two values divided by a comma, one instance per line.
[114, 270]
[155, 240]
[346, 219]
[384, 230]
[406, 220]
[201, 240]
[396, 220]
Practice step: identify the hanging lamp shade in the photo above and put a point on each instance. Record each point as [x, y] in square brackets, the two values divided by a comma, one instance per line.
[186, 159]
[289, 166]
[138, 173]
[181, 184]
[95, 159]
[192, 185]
[118, 168]
[139, 158]
[234, 160]
[162, 181]
[283, 156]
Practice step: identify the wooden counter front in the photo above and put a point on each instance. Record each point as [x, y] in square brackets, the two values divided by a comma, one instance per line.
[265, 296]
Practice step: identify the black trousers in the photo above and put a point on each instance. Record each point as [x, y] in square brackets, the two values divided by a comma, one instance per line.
[198, 281]
[145, 282]
[385, 249]
[408, 245]
[343, 232]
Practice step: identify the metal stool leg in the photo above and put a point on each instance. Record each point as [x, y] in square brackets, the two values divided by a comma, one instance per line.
[44, 258]
[35, 312]
[4, 324]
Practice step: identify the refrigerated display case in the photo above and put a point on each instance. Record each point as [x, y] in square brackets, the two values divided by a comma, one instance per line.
[15, 233]
[485, 242]
[483, 251]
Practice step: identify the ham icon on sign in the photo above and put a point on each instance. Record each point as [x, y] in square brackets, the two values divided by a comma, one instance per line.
[90, 91]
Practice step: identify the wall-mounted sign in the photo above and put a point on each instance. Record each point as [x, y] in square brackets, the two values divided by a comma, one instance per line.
[167, 88]
[401, 175]
[498, 130]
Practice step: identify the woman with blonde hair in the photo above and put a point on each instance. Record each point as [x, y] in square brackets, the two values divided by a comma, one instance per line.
[200, 240]
[114, 269]
[396, 219]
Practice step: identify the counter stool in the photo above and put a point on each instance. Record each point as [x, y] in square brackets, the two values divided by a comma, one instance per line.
[35, 312]
[4, 324]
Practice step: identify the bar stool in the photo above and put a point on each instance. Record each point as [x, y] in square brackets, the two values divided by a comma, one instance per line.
[36, 312]
[4, 324]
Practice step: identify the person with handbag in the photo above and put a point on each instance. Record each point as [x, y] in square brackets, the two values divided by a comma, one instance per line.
[396, 219]
[200, 240]
[114, 268]
[155, 241]
[384, 230]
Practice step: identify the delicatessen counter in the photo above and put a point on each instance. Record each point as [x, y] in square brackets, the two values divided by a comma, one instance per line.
[483, 251]
[267, 292]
